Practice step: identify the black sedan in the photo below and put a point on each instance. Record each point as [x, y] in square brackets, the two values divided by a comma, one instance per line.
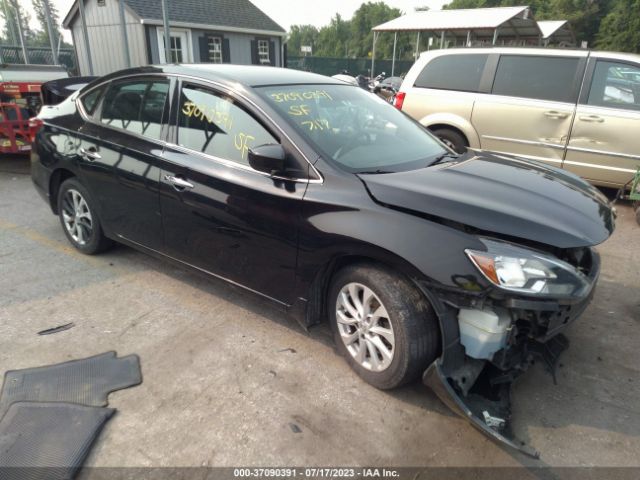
[330, 202]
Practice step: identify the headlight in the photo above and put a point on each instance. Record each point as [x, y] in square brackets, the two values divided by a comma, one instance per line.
[525, 271]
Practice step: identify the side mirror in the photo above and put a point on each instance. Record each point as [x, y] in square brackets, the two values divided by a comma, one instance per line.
[267, 158]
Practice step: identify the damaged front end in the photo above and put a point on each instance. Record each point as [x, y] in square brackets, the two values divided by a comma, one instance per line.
[491, 339]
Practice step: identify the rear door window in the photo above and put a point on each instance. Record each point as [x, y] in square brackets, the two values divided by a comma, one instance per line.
[615, 85]
[136, 106]
[453, 72]
[542, 78]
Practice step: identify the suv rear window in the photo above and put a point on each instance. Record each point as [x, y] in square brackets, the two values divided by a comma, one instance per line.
[542, 78]
[453, 72]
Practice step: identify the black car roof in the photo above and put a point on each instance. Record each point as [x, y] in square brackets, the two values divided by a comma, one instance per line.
[248, 75]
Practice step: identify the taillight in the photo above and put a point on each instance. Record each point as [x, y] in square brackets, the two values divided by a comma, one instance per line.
[35, 124]
[398, 100]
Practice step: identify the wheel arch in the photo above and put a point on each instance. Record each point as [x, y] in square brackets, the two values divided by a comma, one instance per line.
[58, 176]
[315, 309]
[455, 123]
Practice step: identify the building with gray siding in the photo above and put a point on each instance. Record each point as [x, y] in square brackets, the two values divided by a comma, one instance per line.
[211, 31]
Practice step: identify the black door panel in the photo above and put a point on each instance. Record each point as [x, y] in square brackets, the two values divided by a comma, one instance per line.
[234, 223]
[123, 167]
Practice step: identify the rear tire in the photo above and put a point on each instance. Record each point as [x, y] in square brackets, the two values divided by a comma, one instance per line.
[637, 207]
[389, 334]
[79, 218]
[452, 139]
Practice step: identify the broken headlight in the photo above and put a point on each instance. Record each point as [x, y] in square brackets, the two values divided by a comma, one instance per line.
[527, 271]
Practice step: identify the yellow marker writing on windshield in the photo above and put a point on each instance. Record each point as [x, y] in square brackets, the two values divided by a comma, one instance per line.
[299, 110]
[280, 97]
[318, 124]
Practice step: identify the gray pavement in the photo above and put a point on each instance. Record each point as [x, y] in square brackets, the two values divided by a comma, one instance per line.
[228, 377]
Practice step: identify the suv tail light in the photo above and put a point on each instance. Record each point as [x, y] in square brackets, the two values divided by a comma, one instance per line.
[398, 100]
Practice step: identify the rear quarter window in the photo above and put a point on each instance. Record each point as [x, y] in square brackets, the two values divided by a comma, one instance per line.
[541, 78]
[90, 100]
[453, 72]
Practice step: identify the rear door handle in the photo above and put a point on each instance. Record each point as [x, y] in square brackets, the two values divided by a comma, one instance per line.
[592, 118]
[178, 183]
[90, 154]
[555, 114]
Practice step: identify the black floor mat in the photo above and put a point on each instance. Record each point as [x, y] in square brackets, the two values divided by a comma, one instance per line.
[47, 440]
[88, 381]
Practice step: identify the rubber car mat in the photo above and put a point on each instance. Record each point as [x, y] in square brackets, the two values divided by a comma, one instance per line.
[86, 381]
[47, 440]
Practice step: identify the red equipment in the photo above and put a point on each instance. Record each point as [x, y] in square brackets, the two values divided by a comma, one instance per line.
[15, 136]
[19, 101]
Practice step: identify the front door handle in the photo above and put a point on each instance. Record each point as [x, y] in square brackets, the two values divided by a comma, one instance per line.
[592, 118]
[555, 114]
[178, 183]
[90, 154]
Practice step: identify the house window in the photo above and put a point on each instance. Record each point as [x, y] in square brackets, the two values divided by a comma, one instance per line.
[179, 46]
[263, 52]
[215, 49]
[176, 49]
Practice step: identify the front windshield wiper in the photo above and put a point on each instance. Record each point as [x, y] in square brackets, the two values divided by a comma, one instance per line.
[439, 158]
[371, 172]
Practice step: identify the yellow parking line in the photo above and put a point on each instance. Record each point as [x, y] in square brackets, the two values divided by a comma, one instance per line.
[49, 243]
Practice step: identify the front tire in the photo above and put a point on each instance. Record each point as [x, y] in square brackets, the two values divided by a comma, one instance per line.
[452, 139]
[382, 325]
[79, 218]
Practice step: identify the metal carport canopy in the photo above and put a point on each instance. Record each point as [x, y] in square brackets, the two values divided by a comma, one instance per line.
[558, 29]
[483, 22]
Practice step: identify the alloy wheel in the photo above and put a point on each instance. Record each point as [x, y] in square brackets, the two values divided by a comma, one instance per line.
[364, 327]
[77, 216]
[448, 143]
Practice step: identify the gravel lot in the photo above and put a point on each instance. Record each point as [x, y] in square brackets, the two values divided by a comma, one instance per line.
[227, 376]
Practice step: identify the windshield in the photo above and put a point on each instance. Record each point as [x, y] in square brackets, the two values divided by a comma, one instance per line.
[354, 128]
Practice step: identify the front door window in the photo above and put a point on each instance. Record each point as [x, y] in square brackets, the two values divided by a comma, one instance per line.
[615, 85]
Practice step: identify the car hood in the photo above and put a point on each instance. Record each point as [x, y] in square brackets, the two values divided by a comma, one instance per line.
[504, 195]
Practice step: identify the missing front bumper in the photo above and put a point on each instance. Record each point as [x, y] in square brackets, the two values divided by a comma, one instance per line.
[487, 404]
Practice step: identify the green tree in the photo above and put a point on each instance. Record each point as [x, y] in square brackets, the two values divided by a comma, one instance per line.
[620, 29]
[9, 10]
[584, 16]
[353, 38]
[333, 39]
[367, 16]
[41, 37]
[300, 35]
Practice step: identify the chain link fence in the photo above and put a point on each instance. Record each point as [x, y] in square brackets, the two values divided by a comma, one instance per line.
[355, 66]
[38, 56]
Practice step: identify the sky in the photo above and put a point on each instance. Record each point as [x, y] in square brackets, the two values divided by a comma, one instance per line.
[285, 12]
